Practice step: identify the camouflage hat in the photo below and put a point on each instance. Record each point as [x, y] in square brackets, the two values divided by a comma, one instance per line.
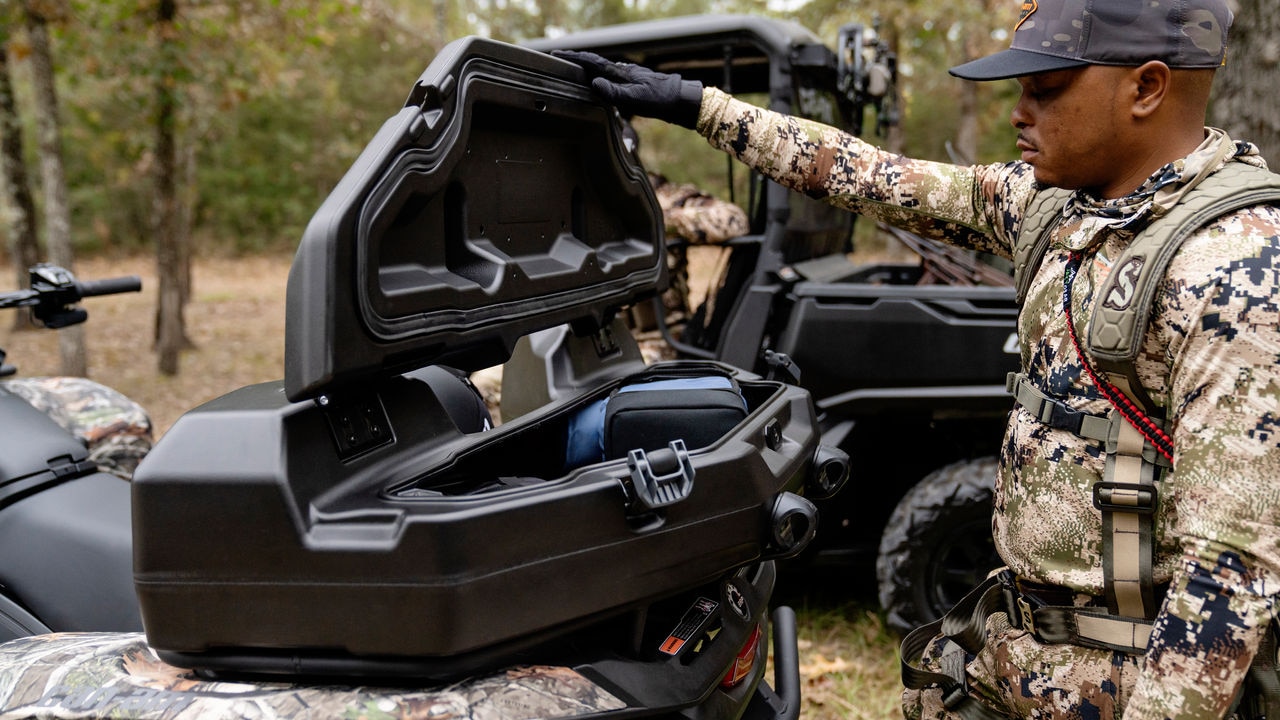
[1061, 34]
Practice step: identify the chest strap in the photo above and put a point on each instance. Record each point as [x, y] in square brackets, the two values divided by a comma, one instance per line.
[1126, 496]
[1055, 413]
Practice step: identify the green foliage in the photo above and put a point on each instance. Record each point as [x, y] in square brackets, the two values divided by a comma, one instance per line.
[275, 101]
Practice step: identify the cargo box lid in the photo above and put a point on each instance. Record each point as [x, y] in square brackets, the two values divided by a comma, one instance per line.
[499, 201]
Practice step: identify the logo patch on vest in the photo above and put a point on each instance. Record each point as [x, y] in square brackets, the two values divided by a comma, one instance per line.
[1124, 280]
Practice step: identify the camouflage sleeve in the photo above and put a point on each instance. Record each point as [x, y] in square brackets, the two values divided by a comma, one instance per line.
[975, 207]
[1219, 301]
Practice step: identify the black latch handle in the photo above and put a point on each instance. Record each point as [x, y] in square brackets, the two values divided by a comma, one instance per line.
[661, 477]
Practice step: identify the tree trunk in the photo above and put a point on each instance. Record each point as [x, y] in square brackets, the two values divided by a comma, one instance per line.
[1245, 103]
[965, 149]
[895, 135]
[171, 257]
[974, 96]
[57, 209]
[186, 196]
[20, 215]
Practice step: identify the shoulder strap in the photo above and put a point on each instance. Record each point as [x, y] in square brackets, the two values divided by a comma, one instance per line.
[1038, 222]
[1123, 311]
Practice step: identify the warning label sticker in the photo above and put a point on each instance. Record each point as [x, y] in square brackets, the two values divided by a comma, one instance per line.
[694, 621]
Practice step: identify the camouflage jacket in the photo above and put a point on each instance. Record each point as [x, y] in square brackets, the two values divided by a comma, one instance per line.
[1211, 359]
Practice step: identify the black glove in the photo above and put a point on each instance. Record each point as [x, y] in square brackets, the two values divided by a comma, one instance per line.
[637, 90]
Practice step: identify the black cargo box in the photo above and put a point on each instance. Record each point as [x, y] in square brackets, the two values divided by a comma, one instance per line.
[341, 521]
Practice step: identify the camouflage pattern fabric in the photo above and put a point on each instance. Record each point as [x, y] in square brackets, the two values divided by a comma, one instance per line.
[115, 429]
[699, 218]
[100, 675]
[696, 216]
[1023, 678]
[1211, 360]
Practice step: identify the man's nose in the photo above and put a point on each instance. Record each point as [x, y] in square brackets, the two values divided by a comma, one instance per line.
[1018, 117]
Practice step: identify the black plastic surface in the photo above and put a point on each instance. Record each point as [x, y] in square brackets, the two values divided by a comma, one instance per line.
[498, 202]
[41, 454]
[886, 336]
[252, 531]
[701, 45]
[84, 523]
[349, 520]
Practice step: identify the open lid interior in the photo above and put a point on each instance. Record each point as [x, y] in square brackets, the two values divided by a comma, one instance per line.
[499, 201]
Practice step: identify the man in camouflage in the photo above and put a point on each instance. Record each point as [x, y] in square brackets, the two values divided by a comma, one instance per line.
[1112, 106]
[697, 217]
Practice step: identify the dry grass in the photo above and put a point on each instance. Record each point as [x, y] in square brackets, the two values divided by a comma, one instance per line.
[848, 663]
[236, 320]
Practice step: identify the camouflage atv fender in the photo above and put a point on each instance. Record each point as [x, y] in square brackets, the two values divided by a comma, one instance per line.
[115, 429]
[97, 675]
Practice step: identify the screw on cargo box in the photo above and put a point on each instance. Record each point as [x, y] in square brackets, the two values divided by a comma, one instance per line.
[322, 401]
[773, 435]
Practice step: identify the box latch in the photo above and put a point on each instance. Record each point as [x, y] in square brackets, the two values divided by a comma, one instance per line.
[661, 477]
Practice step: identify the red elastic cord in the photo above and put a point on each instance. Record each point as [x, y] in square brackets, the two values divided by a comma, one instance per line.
[1158, 438]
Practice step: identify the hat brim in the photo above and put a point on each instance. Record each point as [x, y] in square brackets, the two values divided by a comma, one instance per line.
[1013, 63]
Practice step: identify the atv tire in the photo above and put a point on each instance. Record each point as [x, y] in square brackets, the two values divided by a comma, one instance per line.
[937, 544]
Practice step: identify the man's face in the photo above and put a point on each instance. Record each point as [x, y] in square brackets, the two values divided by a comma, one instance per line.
[1071, 128]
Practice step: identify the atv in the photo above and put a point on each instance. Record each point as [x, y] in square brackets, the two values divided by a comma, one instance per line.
[359, 537]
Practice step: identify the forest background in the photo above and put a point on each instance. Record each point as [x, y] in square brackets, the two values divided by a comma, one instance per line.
[184, 128]
[190, 141]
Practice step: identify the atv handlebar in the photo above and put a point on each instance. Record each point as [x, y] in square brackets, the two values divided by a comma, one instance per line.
[54, 290]
[109, 286]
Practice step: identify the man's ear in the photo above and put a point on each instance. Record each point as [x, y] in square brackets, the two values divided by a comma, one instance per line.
[1151, 86]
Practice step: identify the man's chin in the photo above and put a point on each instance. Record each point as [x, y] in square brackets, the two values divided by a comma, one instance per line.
[1046, 179]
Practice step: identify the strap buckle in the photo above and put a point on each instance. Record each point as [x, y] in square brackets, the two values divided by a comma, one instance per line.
[1121, 497]
[1018, 605]
[1026, 615]
[1058, 415]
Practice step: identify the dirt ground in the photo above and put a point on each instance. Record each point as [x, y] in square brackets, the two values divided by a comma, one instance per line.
[235, 321]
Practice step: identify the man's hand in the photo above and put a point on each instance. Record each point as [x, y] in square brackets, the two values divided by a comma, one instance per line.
[637, 90]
